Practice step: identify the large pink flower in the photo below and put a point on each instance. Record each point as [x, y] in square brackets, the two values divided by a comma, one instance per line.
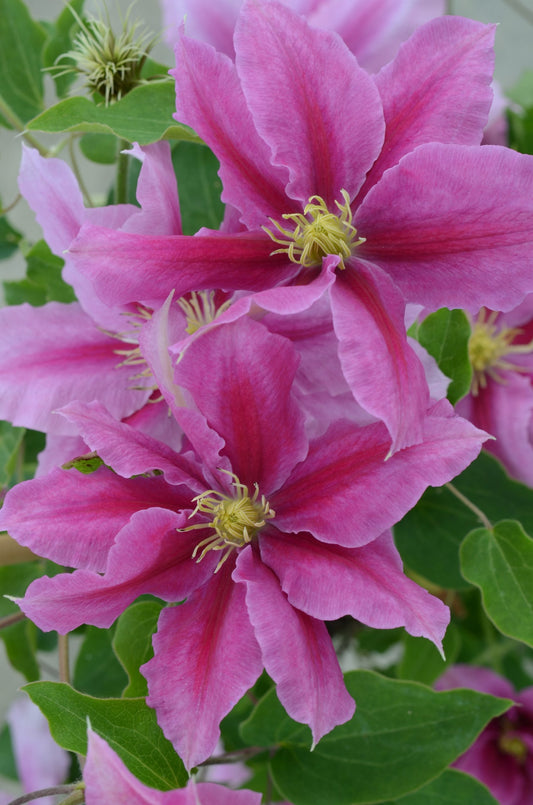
[264, 533]
[372, 29]
[502, 756]
[382, 177]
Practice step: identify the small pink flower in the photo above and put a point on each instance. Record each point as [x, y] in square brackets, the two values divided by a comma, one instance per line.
[502, 756]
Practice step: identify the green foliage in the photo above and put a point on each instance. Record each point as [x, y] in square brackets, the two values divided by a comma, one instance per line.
[7, 759]
[451, 788]
[444, 334]
[429, 536]
[402, 736]
[133, 642]
[100, 148]
[21, 84]
[421, 661]
[60, 42]
[128, 725]
[10, 445]
[20, 638]
[500, 562]
[86, 464]
[43, 282]
[144, 115]
[199, 186]
[9, 238]
[97, 670]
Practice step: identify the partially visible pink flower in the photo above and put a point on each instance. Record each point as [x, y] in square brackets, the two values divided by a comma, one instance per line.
[107, 780]
[501, 397]
[502, 756]
[372, 29]
[40, 762]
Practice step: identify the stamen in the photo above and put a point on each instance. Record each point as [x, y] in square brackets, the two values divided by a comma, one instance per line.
[317, 233]
[236, 520]
[488, 347]
[200, 309]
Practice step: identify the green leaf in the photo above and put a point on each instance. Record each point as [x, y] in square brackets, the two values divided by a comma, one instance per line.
[199, 186]
[100, 148]
[451, 788]
[133, 642]
[402, 735]
[21, 84]
[522, 91]
[430, 535]
[9, 238]
[10, 444]
[97, 670]
[60, 42]
[144, 115]
[500, 562]
[7, 758]
[43, 282]
[521, 130]
[421, 661]
[444, 334]
[20, 638]
[86, 464]
[128, 725]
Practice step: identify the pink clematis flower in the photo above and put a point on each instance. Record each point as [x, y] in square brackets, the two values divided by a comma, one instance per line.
[372, 190]
[264, 532]
[501, 398]
[502, 756]
[372, 29]
[53, 354]
[107, 779]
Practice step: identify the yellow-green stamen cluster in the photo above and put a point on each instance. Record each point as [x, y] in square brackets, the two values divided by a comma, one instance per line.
[512, 744]
[111, 64]
[488, 347]
[131, 355]
[200, 309]
[235, 520]
[317, 232]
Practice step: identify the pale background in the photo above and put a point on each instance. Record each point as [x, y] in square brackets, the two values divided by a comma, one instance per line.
[514, 53]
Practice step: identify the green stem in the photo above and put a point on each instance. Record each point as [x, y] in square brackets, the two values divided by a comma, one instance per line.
[9, 115]
[9, 620]
[472, 506]
[64, 670]
[77, 172]
[121, 185]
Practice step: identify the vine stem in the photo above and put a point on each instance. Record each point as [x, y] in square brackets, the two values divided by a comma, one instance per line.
[46, 792]
[64, 671]
[9, 620]
[77, 172]
[230, 757]
[17, 124]
[121, 185]
[472, 506]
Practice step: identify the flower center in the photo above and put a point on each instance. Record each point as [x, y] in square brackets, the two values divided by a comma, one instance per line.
[511, 744]
[200, 309]
[235, 520]
[488, 347]
[317, 232]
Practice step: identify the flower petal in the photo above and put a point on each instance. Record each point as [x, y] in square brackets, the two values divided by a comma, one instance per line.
[319, 111]
[156, 193]
[453, 226]
[297, 651]
[251, 183]
[73, 519]
[125, 268]
[385, 375]
[345, 492]
[205, 658]
[53, 354]
[368, 583]
[437, 89]
[148, 557]
[248, 399]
